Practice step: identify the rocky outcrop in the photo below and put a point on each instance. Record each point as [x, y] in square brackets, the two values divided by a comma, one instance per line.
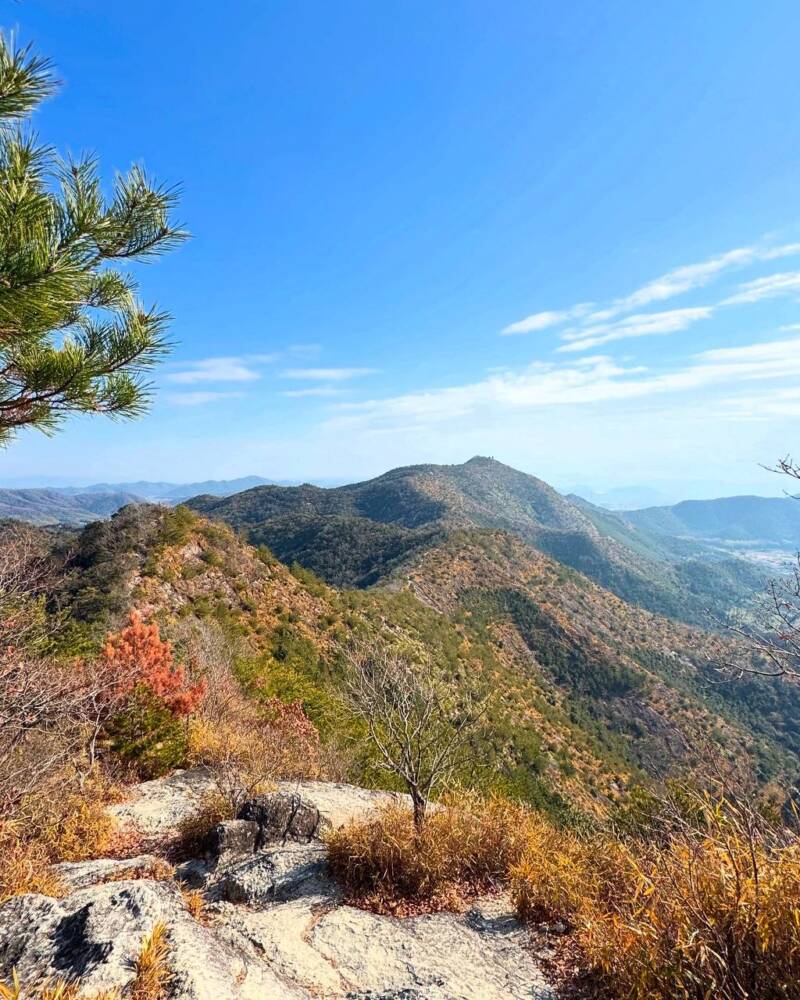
[282, 816]
[273, 925]
[156, 808]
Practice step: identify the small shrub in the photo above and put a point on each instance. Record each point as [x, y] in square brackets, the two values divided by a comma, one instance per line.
[195, 903]
[24, 866]
[465, 845]
[147, 734]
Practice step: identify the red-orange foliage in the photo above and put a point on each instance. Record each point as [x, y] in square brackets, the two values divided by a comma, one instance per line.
[137, 655]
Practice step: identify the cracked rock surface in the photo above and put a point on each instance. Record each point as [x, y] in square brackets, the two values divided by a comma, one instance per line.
[274, 925]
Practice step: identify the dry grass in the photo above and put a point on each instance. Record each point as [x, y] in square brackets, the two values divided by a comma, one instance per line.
[193, 831]
[195, 903]
[58, 990]
[153, 974]
[465, 846]
[24, 865]
[55, 825]
[709, 910]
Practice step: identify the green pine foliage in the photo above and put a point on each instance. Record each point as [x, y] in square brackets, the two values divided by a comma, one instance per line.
[75, 337]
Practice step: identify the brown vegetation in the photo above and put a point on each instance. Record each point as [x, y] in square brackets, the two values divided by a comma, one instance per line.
[707, 907]
[466, 845]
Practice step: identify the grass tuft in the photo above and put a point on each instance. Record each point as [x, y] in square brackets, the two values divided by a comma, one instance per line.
[153, 973]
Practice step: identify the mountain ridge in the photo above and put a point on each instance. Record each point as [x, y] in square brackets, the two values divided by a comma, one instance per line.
[351, 535]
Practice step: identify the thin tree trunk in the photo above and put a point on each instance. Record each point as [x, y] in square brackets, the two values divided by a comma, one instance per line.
[419, 803]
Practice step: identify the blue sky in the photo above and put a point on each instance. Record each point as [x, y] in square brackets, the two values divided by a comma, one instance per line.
[563, 234]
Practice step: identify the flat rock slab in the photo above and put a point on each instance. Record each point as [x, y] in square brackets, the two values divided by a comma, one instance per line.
[95, 935]
[80, 874]
[156, 808]
[342, 952]
[438, 957]
[274, 924]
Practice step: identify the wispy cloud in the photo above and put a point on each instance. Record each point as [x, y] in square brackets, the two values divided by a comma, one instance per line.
[317, 390]
[230, 369]
[639, 325]
[327, 374]
[773, 285]
[237, 368]
[199, 398]
[679, 281]
[590, 380]
[543, 320]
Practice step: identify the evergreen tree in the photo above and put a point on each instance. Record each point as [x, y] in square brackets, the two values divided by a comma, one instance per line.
[73, 336]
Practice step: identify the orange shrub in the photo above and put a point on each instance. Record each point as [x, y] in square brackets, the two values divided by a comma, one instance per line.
[138, 656]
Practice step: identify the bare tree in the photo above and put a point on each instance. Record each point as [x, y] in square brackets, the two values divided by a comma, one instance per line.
[774, 637]
[50, 710]
[772, 631]
[419, 726]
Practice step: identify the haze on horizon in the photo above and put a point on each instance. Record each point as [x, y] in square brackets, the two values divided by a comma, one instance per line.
[567, 238]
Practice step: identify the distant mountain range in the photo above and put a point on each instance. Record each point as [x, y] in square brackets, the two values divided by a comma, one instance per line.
[47, 506]
[171, 492]
[77, 505]
[771, 521]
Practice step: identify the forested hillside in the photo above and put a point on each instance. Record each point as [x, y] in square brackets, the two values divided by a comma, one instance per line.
[592, 695]
[353, 535]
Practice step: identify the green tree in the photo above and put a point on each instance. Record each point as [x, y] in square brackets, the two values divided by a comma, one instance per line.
[73, 336]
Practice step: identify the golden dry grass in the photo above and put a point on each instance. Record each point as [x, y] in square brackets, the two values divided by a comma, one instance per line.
[56, 825]
[195, 903]
[711, 911]
[465, 846]
[153, 973]
[57, 990]
[24, 865]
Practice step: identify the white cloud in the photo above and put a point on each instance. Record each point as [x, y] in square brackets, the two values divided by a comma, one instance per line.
[327, 374]
[676, 282]
[639, 325]
[317, 390]
[543, 320]
[217, 370]
[787, 283]
[199, 398]
[592, 380]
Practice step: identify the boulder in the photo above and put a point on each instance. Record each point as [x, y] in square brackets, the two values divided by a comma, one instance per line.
[277, 875]
[281, 816]
[235, 836]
